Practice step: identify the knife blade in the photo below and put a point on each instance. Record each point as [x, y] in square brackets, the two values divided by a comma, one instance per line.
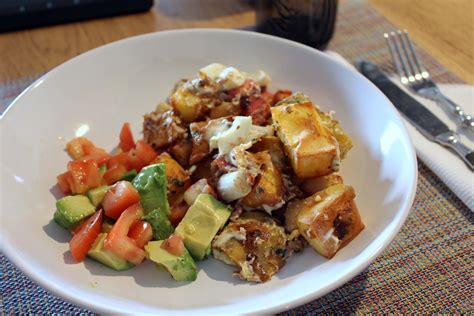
[417, 114]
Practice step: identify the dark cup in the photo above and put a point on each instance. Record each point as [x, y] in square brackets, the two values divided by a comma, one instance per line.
[310, 22]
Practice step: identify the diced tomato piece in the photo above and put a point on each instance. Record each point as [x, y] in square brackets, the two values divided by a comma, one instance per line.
[81, 148]
[280, 95]
[118, 198]
[119, 159]
[83, 239]
[63, 182]
[85, 175]
[118, 240]
[114, 174]
[145, 152]
[126, 138]
[97, 154]
[134, 162]
[78, 146]
[259, 110]
[174, 245]
[141, 233]
[177, 213]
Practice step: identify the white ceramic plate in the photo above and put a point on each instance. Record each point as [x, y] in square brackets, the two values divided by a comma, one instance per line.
[93, 94]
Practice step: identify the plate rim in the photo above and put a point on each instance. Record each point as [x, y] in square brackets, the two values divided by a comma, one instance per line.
[401, 215]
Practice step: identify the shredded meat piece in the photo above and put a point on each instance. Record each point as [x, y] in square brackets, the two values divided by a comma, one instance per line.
[162, 129]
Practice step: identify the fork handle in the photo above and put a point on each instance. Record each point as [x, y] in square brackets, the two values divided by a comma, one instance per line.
[464, 119]
[451, 140]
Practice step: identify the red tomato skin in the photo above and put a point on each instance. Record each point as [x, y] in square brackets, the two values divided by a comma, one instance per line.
[63, 182]
[126, 138]
[118, 240]
[145, 152]
[174, 245]
[141, 233]
[85, 175]
[83, 239]
[114, 174]
[118, 198]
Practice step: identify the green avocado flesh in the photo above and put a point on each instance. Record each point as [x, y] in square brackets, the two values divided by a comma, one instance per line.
[106, 257]
[96, 195]
[130, 175]
[151, 185]
[181, 268]
[70, 210]
[160, 224]
[201, 223]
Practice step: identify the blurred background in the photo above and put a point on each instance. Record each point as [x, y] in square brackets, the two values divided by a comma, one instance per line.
[445, 28]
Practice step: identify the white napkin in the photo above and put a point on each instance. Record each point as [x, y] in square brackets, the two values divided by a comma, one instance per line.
[445, 164]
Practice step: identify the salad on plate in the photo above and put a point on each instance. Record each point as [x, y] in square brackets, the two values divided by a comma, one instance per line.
[225, 169]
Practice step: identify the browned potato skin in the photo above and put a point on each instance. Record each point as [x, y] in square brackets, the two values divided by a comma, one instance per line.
[309, 145]
[200, 147]
[269, 188]
[182, 151]
[291, 214]
[265, 242]
[275, 148]
[341, 214]
[313, 185]
[225, 109]
[177, 178]
[161, 129]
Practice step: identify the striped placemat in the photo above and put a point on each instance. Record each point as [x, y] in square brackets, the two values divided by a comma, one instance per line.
[427, 268]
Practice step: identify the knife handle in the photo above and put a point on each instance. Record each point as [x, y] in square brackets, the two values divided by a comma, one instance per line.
[451, 140]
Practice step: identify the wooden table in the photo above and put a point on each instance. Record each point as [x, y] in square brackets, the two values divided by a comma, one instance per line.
[444, 28]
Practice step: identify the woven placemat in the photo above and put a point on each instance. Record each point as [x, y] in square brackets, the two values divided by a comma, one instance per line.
[427, 268]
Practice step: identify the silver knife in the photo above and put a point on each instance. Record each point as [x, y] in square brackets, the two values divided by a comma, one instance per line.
[418, 115]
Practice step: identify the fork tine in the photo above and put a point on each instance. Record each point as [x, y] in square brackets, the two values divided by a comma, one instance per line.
[413, 66]
[405, 58]
[422, 70]
[395, 57]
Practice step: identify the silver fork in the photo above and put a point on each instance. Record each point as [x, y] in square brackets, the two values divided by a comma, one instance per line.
[415, 77]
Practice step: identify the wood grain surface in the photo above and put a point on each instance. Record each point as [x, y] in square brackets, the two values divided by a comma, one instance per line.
[444, 28]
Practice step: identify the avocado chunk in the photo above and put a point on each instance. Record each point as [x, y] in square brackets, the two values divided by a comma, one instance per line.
[130, 175]
[106, 257]
[201, 223]
[181, 268]
[160, 224]
[151, 185]
[96, 195]
[70, 210]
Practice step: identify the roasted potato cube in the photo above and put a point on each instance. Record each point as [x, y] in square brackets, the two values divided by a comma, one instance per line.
[255, 244]
[291, 214]
[267, 192]
[225, 109]
[161, 129]
[311, 147]
[329, 219]
[182, 151]
[274, 146]
[313, 185]
[177, 178]
[186, 103]
[200, 148]
[344, 141]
